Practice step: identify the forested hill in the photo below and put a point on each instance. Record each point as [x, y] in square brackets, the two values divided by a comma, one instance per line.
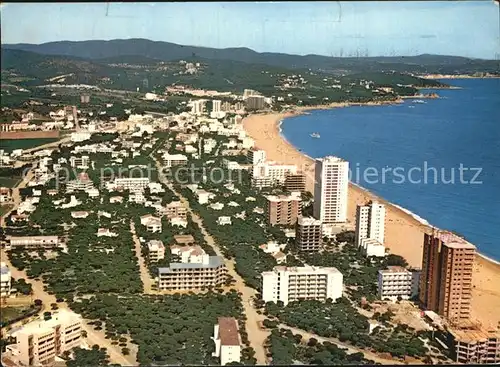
[166, 51]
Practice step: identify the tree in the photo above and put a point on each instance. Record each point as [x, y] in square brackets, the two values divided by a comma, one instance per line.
[38, 302]
[312, 342]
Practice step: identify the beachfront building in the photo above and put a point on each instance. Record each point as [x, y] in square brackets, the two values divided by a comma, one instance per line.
[156, 250]
[288, 284]
[331, 190]
[283, 209]
[193, 276]
[295, 182]
[4, 280]
[397, 282]
[370, 222]
[254, 102]
[227, 340]
[309, 234]
[446, 278]
[40, 341]
[256, 156]
[270, 173]
[33, 242]
[472, 343]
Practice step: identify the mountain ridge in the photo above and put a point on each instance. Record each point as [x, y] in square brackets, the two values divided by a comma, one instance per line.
[168, 51]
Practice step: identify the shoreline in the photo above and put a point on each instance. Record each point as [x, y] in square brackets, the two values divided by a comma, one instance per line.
[404, 229]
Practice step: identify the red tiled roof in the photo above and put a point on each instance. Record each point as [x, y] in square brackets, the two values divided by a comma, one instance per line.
[228, 331]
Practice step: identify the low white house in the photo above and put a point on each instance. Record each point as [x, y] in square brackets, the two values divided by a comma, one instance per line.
[222, 221]
[371, 247]
[152, 223]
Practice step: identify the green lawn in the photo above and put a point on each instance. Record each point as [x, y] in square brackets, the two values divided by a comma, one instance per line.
[9, 181]
[9, 313]
[9, 145]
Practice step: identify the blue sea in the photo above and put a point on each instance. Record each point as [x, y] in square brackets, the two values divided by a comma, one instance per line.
[439, 159]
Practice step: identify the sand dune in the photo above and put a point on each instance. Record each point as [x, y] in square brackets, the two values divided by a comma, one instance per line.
[404, 233]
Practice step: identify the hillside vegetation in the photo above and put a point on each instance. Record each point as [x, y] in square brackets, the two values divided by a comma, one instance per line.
[166, 51]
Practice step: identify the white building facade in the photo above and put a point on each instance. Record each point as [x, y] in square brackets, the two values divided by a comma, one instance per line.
[288, 284]
[331, 190]
[396, 281]
[370, 222]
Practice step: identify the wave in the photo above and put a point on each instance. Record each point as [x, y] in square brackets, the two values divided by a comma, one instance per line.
[415, 216]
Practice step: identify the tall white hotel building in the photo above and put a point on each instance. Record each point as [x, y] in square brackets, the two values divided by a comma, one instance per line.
[330, 190]
[370, 222]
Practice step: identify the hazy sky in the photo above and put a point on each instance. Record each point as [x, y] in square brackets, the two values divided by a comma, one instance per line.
[326, 28]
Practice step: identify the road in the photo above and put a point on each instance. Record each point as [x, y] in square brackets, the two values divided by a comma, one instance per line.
[145, 276]
[93, 337]
[256, 335]
[16, 197]
[350, 349]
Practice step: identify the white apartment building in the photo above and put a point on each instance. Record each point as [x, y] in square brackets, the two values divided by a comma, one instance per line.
[193, 276]
[33, 241]
[227, 340]
[288, 284]
[216, 106]
[4, 280]
[370, 222]
[132, 183]
[270, 173]
[172, 160]
[198, 107]
[331, 190]
[396, 281]
[39, 342]
[156, 250]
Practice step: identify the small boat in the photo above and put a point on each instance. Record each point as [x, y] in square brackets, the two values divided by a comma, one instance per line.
[315, 135]
[418, 101]
[411, 106]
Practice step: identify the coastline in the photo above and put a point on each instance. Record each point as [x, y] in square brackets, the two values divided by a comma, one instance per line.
[404, 229]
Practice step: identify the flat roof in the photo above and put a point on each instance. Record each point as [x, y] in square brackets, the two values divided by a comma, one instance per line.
[453, 241]
[308, 221]
[228, 331]
[307, 269]
[394, 269]
[213, 262]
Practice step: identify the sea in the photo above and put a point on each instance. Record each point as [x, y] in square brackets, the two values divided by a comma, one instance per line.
[437, 158]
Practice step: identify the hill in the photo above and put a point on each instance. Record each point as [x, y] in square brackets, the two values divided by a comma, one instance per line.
[166, 51]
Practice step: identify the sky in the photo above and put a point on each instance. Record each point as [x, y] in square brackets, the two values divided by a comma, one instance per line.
[463, 28]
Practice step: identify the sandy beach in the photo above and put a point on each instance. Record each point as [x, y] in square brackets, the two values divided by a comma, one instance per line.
[404, 232]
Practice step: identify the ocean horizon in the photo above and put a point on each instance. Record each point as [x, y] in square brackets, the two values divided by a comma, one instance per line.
[437, 159]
